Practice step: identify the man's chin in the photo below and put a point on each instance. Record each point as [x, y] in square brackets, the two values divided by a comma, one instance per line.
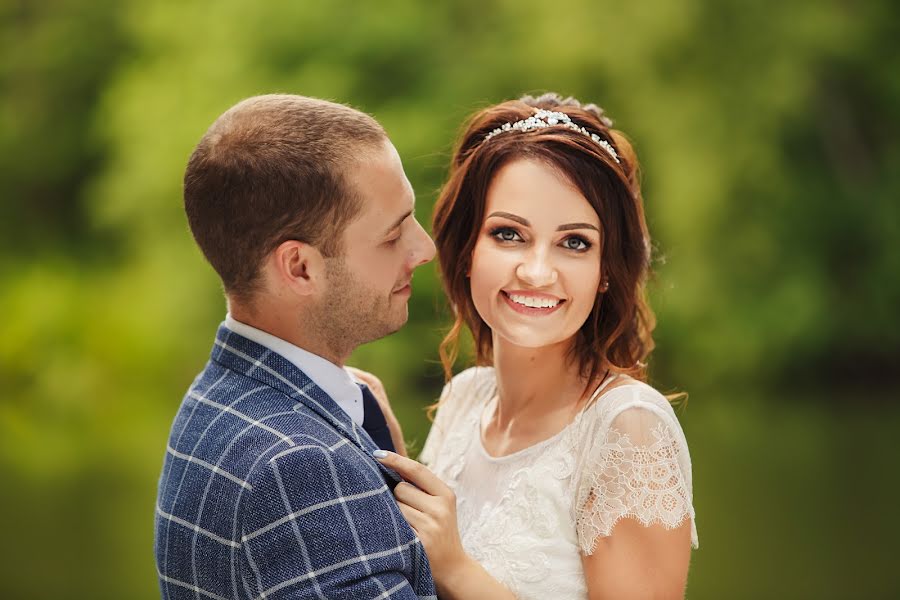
[386, 329]
[399, 323]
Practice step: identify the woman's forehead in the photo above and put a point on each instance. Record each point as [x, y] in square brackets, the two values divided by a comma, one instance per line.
[539, 193]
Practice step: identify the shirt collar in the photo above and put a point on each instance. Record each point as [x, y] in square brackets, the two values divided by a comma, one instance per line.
[334, 380]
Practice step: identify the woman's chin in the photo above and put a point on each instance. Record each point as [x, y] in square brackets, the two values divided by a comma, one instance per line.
[529, 338]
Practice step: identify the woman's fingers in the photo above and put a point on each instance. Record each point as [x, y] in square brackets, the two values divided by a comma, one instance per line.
[414, 517]
[414, 497]
[429, 506]
[414, 472]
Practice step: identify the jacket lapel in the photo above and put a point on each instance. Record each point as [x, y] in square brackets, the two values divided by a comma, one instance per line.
[253, 360]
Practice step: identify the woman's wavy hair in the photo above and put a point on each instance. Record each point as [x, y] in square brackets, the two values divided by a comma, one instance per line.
[616, 337]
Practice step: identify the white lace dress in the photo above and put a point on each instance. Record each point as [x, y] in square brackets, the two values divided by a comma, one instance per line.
[528, 516]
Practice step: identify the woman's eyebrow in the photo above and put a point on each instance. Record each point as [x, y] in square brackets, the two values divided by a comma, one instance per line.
[511, 217]
[566, 227]
[569, 226]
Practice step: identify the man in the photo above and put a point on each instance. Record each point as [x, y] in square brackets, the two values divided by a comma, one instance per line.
[269, 488]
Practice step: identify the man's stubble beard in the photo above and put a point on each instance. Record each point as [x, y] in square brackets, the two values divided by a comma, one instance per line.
[352, 314]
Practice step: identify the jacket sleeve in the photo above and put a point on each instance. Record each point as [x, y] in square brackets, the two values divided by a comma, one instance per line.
[317, 525]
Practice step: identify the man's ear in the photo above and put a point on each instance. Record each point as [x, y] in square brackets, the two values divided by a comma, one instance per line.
[298, 268]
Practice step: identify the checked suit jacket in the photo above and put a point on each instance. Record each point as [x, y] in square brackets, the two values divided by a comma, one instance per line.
[269, 490]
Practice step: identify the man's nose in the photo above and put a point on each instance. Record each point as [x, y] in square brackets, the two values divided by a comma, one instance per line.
[537, 269]
[424, 249]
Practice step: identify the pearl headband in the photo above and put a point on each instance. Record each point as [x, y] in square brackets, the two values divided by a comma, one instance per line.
[546, 118]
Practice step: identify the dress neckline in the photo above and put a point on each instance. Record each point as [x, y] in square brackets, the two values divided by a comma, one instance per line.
[492, 400]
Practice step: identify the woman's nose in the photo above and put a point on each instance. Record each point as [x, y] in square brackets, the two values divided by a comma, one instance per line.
[537, 270]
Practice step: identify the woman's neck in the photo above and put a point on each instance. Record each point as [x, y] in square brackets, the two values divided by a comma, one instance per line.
[534, 382]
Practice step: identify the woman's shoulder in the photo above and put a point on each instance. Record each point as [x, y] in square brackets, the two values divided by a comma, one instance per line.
[631, 400]
[625, 389]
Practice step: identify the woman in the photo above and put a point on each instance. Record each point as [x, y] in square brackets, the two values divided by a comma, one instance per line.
[570, 475]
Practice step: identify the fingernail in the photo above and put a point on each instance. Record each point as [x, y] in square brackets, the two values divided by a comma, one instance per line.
[380, 454]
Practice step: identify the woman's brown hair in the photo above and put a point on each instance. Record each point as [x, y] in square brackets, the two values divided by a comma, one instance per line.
[616, 336]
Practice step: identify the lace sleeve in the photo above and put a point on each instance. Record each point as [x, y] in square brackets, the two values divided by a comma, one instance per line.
[640, 469]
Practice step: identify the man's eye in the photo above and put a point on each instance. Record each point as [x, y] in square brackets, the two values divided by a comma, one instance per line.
[506, 234]
[576, 243]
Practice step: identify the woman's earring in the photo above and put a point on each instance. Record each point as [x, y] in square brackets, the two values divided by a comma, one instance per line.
[604, 285]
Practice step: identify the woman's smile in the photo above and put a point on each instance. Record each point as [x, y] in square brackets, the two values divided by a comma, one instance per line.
[530, 303]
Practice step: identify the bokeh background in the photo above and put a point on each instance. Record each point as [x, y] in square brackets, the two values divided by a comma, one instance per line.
[768, 133]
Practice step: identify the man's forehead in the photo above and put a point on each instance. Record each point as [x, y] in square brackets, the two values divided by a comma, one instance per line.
[386, 194]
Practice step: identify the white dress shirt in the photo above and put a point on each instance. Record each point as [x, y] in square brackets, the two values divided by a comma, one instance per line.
[334, 380]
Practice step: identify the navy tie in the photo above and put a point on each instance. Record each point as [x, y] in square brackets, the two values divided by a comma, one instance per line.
[373, 421]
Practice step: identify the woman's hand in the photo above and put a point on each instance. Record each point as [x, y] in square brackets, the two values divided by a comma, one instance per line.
[377, 388]
[430, 508]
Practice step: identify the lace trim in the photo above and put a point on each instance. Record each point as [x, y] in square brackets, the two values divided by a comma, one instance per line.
[624, 480]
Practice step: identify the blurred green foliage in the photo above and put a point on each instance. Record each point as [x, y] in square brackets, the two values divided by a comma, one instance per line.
[768, 133]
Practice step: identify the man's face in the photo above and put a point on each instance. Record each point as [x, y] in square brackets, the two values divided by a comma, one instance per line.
[369, 283]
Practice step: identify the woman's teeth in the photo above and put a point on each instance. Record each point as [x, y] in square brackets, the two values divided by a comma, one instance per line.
[533, 302]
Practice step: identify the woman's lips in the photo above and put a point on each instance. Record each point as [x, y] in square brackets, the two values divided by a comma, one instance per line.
[531, 310]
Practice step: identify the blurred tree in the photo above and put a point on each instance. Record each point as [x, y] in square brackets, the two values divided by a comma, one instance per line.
[58, 57]
[793, 222]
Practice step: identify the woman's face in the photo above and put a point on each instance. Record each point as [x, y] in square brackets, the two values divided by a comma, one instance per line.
[535, 270]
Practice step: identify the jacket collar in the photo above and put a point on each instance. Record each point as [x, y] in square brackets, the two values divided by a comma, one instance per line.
[237, 353]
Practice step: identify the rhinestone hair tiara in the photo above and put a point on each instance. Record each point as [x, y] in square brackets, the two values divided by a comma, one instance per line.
[547, 118]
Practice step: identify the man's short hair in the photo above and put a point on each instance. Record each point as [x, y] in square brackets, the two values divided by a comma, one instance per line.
[270, 169]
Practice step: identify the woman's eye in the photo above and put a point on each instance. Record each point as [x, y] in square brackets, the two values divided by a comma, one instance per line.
[576, 243]
[505, 234]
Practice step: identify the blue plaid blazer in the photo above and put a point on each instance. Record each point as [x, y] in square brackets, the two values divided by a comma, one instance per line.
[269, 490]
